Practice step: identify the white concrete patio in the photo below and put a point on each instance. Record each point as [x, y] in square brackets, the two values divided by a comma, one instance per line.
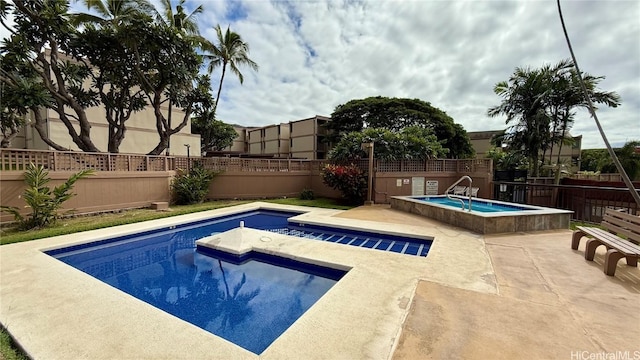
[515, 295]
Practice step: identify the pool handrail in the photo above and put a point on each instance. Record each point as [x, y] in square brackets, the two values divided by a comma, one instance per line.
[465, 177]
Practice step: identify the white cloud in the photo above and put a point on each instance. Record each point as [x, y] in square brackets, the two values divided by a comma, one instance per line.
[315, 55]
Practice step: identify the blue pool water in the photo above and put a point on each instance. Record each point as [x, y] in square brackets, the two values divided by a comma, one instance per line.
[476, 205]
[249, 300]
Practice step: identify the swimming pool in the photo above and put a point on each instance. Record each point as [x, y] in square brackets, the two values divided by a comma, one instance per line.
[56, 311]
[249, 300]
[233, 297]
[486, 216]
[476, 204]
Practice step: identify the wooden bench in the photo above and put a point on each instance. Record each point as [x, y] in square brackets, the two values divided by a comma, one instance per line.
[616, 224]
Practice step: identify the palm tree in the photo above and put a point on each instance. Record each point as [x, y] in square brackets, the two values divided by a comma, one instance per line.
[183, 23]
[543, 101]
[524, 101]
[565, 94]
[178, 19]
[112, 12]
[232, 51]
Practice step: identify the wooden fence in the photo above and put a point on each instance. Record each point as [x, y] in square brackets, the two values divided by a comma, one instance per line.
[19, 159]
[133, 180]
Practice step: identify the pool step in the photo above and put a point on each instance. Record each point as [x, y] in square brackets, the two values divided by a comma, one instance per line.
[416, 248]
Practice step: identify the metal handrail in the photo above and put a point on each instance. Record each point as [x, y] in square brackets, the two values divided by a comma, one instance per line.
[466, 177]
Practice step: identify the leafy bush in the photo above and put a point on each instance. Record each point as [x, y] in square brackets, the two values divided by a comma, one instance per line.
[348, 179]
[307, 194]
[43, 202]
[191, 187]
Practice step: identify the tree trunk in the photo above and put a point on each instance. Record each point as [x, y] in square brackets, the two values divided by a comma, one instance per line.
[42, 131]
[224, 70]
[7, 138]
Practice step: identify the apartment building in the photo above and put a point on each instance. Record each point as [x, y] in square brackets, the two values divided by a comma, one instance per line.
[271, 140]
[240, 144]
[300, 139]
[307, 138]
[570, 154]
[140, 138]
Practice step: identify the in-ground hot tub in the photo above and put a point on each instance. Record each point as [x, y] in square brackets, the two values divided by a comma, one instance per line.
[486, 216]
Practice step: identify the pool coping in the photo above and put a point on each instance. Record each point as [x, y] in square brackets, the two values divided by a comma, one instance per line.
[54, 310]
[537, 219]
[534, 209]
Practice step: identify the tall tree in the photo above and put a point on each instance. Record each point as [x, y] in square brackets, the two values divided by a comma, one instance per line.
[396, 114]
[167, 66]
[523, 101]
[230, 51]
[112, 13]
[42, 33]
[540, 106]
[215, 134]
[185, 24]
[178, 19]
[112, 77]
[411, 143]
[564, 96]
[18, 95]
[102, 40]
[599, 160]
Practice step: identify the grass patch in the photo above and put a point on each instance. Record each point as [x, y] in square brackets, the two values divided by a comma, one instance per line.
[319, 202]
[8, 349]
[66, 226]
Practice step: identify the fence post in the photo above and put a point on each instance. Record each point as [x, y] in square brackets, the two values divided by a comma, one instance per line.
[128, 162]
[146, 159]
[55, 161]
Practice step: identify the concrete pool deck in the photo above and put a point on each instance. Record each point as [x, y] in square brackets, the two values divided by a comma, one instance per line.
[500, 296]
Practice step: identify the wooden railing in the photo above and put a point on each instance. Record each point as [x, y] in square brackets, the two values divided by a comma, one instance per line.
[19, 159]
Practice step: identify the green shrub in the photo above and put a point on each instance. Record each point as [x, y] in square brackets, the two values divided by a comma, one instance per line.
[350, 180]
[43, 202]
[191, 187]
[307, 194]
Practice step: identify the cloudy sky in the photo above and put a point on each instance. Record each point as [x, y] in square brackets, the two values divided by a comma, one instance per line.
[315, 54]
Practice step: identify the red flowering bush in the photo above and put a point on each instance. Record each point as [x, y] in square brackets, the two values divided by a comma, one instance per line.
[348, 179]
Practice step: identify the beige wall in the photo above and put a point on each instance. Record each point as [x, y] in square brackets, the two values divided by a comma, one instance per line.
[255, 136]
[239, 143]
[303, 127]
[302, 144]
[255, 148]
[255, 186]
[243, 178]
[271, 146]
[386, 184]
[270, 140]
[305, 138]
[100, 192]
[307, 131]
